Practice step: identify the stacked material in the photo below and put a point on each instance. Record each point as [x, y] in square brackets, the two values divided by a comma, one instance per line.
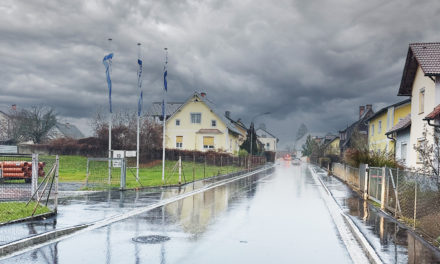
[19, 169]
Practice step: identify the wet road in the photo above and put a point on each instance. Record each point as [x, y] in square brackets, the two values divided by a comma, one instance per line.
[274, 217]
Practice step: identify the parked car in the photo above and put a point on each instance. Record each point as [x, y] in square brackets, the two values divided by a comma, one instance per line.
[296, 161]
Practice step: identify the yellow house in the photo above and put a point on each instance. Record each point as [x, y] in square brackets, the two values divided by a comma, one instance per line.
[382, 121]
[420, 81]
[197, 125]
[332, 147]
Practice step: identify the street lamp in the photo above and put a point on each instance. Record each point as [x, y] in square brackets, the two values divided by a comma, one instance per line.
[252, 132]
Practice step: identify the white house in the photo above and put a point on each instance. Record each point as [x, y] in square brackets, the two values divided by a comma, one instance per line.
[270, 141]
[401, 134]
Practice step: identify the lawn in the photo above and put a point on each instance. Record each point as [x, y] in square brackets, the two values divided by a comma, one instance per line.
[73, 169]
[17, 210]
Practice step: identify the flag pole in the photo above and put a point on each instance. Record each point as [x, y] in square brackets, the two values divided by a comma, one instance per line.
[164, 114]
[139, 110]
[110, 125]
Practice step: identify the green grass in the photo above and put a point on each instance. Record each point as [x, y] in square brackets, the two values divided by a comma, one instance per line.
[17, 210]
[73, 169]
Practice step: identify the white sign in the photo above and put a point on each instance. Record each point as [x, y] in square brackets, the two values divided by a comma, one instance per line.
[118, 154]
[130, 153]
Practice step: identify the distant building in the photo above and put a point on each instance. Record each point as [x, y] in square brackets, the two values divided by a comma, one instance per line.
[65, 130]
[357, 130]
[268, 140]
[331, 145]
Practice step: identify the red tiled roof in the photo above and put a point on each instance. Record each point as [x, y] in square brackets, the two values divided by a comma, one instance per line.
[427, 55]
[434, 114]
[209, 131]
[402, 124]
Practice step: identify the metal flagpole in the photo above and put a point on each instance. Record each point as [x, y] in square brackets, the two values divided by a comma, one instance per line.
[139, 109]
[164, 112]
[110, 121]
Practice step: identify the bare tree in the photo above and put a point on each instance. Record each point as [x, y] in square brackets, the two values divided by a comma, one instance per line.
[33, 124]
[428, 152]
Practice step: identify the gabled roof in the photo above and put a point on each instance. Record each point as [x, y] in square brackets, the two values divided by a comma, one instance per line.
[427, 55]
[434, 114]
[383, 110]
[69, 130]
[267, 132]
[156, 108]
[349, 130]
[402, 124]
[214, 109]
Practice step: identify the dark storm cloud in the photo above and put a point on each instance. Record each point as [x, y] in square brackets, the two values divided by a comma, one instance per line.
[311, 62]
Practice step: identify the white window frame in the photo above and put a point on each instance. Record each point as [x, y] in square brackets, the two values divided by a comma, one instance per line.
[372, 130]
[181, 143]
[214, 123]
[422, 100]
[208, 146]
[191, 118]
[379, 127]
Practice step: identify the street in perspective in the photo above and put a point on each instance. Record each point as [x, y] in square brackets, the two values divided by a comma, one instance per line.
[219, 131]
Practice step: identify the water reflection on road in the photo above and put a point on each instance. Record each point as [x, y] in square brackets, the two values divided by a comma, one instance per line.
[266, 218]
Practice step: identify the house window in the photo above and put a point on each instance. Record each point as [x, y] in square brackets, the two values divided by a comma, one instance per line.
[196, 118]
[422, 100]
[179, 141]
[267, 145]
[403, 151]
[213, 123]
[177, 122]
[372, 130]
[208, 142]
[379, 128]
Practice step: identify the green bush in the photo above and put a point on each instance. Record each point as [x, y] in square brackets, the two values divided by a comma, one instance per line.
[354, 157]
[242, 153]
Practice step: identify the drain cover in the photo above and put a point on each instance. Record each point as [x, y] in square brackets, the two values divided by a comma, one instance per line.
[152, 239]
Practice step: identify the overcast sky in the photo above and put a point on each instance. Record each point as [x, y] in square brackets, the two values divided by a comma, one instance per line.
[311, 61]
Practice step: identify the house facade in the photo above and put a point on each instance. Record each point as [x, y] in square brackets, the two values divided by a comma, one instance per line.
[382, 121]
[400, 133]
[65, 130]
[357, 131]
[420, 81]
[268, 140]
[197, 125]
[332, 146]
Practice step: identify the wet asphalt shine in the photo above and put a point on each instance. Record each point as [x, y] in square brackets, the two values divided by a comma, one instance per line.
[271, 217]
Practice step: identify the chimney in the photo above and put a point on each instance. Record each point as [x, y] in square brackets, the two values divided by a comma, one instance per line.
[369, 107]
[203, 94]
[361, 111]
[228, 114]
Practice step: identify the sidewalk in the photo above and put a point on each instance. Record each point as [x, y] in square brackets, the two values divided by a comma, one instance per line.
[391, 240]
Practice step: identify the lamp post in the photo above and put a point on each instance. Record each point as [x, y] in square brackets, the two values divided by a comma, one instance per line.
[252, 130]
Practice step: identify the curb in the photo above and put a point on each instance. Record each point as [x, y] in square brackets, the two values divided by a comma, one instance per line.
[363, 242]
[30, 241]
[29, 218]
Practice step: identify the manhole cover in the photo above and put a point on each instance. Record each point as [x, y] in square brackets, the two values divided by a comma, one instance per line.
[152, 239]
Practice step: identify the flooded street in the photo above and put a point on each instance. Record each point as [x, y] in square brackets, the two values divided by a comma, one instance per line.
[270, 217]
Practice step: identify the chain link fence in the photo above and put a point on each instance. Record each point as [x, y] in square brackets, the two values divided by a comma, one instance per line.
[188, 169]
[28, 186]
[412, 197]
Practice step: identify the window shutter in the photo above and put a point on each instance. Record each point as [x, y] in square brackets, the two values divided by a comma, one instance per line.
[208, 141]
[179, 139]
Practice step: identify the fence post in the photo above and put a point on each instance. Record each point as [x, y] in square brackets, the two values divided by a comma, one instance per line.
[221, 164]
[180, 170]
[204, 168]
[57, 173]
[383, 188]
[123, 173]
[194, 166]
[34, 179]
[87, 173]
[415, 202]
[366, 181]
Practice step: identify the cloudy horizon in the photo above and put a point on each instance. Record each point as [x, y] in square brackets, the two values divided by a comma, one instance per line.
[312, 62]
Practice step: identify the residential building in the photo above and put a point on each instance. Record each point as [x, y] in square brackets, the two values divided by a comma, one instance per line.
[332, 145]
[382, 121]
[65, 130]
[197, 124]
[400, 133]
[420, 81]
[357, 132]
[268, 140]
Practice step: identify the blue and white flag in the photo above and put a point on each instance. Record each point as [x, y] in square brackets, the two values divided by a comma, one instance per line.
[165, 73]
[107, 61]
[140, 87]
